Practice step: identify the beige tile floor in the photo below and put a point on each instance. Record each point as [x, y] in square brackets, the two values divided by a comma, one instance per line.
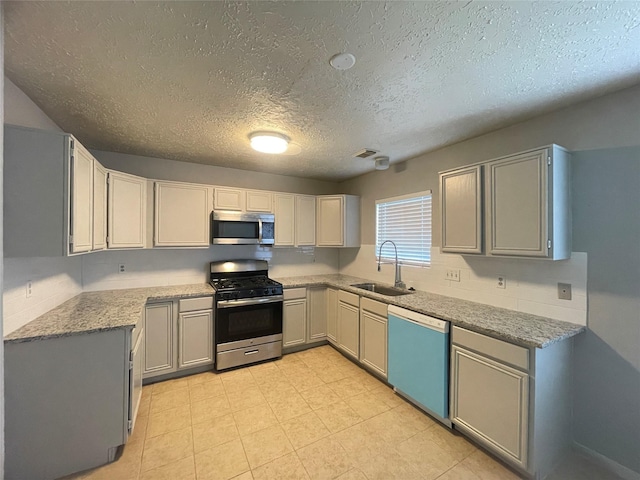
[310, 415]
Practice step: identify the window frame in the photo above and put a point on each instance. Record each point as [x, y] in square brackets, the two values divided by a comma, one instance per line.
[429, 232]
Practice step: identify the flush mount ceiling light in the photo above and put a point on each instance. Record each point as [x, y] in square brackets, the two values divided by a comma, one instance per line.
[382, 163]
[269, 142]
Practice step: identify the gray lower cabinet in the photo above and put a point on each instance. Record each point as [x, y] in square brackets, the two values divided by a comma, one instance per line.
[178, 335]
[159, 340]
[513, 400]
[349, 323]
[294, 317]
[195, 331]
[332, 315]
[317, 314]
[373, 335]
[67, 402]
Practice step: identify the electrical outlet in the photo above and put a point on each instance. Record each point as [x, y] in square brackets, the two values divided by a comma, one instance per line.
[564, 291]
[502, 281]
[121, 268]
[453, 275]
[29, 291]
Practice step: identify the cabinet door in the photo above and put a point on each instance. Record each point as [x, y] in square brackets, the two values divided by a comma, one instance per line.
[99, 206]
[195, 333]
[294, 322]
[517, 205]
[332, 315]
[127, 211]
[159, 354]
[491, 401]
[373, 341]
[305, 220]
[81, 222]
[349, 328]
[285, 220]
[228, 199]
[259, 201]
[330, 221]
[182, 215]
[317, 314]
[461, 209]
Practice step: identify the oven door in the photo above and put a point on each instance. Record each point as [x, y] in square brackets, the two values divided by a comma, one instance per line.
[246, 319]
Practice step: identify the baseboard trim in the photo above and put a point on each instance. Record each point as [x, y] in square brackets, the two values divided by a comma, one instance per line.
[606, 462]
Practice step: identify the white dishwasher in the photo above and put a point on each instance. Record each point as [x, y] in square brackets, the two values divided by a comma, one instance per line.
[419, 360]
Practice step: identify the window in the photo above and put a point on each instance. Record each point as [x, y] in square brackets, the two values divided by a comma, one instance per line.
[406, 221]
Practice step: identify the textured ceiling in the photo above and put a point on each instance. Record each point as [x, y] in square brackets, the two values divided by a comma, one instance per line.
[190, 80]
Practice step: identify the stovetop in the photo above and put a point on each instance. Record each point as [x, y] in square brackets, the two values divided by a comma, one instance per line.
[246, 287]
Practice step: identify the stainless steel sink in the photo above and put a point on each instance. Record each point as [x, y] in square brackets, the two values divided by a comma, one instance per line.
[381, 289]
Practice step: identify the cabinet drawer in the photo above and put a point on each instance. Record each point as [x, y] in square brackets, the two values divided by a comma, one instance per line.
[350, 298]
[193, 304]
[373, 306]
[492, 347]
[293, 293]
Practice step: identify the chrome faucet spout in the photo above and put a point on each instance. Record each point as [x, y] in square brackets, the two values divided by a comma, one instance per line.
[398, 280]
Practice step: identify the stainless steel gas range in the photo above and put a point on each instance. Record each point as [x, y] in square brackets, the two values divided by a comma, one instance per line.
[248, 313]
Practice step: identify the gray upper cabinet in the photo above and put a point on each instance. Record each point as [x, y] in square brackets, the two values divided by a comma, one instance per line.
[521, 208]
[338, 221]
[182, 213]
[99, 206]
[127, 211]
[528, 204]
[461, 202]
[81, 219]
[54, 195]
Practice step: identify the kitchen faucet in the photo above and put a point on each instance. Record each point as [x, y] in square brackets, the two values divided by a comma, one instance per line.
[398, 281]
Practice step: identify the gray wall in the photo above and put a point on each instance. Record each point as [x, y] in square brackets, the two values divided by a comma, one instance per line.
[162, 169]
[604, 135]
[606, 224]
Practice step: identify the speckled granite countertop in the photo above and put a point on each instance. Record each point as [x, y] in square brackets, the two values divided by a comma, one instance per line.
[99, 311]
[516, 327]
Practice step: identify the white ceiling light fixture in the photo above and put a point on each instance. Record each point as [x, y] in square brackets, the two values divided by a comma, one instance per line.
[342, 61]
[269, 142]
[382, 163]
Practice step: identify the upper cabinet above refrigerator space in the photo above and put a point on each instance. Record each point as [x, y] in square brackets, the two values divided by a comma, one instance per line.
[517, 206]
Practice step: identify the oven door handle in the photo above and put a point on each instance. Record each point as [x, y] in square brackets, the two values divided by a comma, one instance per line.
[249, 301]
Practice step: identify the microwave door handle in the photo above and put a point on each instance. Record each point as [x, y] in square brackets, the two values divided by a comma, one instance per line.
[260, 231]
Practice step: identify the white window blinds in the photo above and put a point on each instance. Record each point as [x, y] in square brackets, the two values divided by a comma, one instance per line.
[406, 221]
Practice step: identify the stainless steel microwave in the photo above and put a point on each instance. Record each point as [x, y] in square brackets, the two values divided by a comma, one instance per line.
[238, 228]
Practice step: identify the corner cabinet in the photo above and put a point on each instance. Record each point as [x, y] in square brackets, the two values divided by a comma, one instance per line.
[127, 211]
[518, 206]
[338, 221]
[332, 315]
[515, 401]
[99, 206]
[182, 213]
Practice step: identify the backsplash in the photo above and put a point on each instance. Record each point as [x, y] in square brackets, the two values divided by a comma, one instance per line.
[53, 281]
[56, 280]
[156, 267]
[530, 285]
